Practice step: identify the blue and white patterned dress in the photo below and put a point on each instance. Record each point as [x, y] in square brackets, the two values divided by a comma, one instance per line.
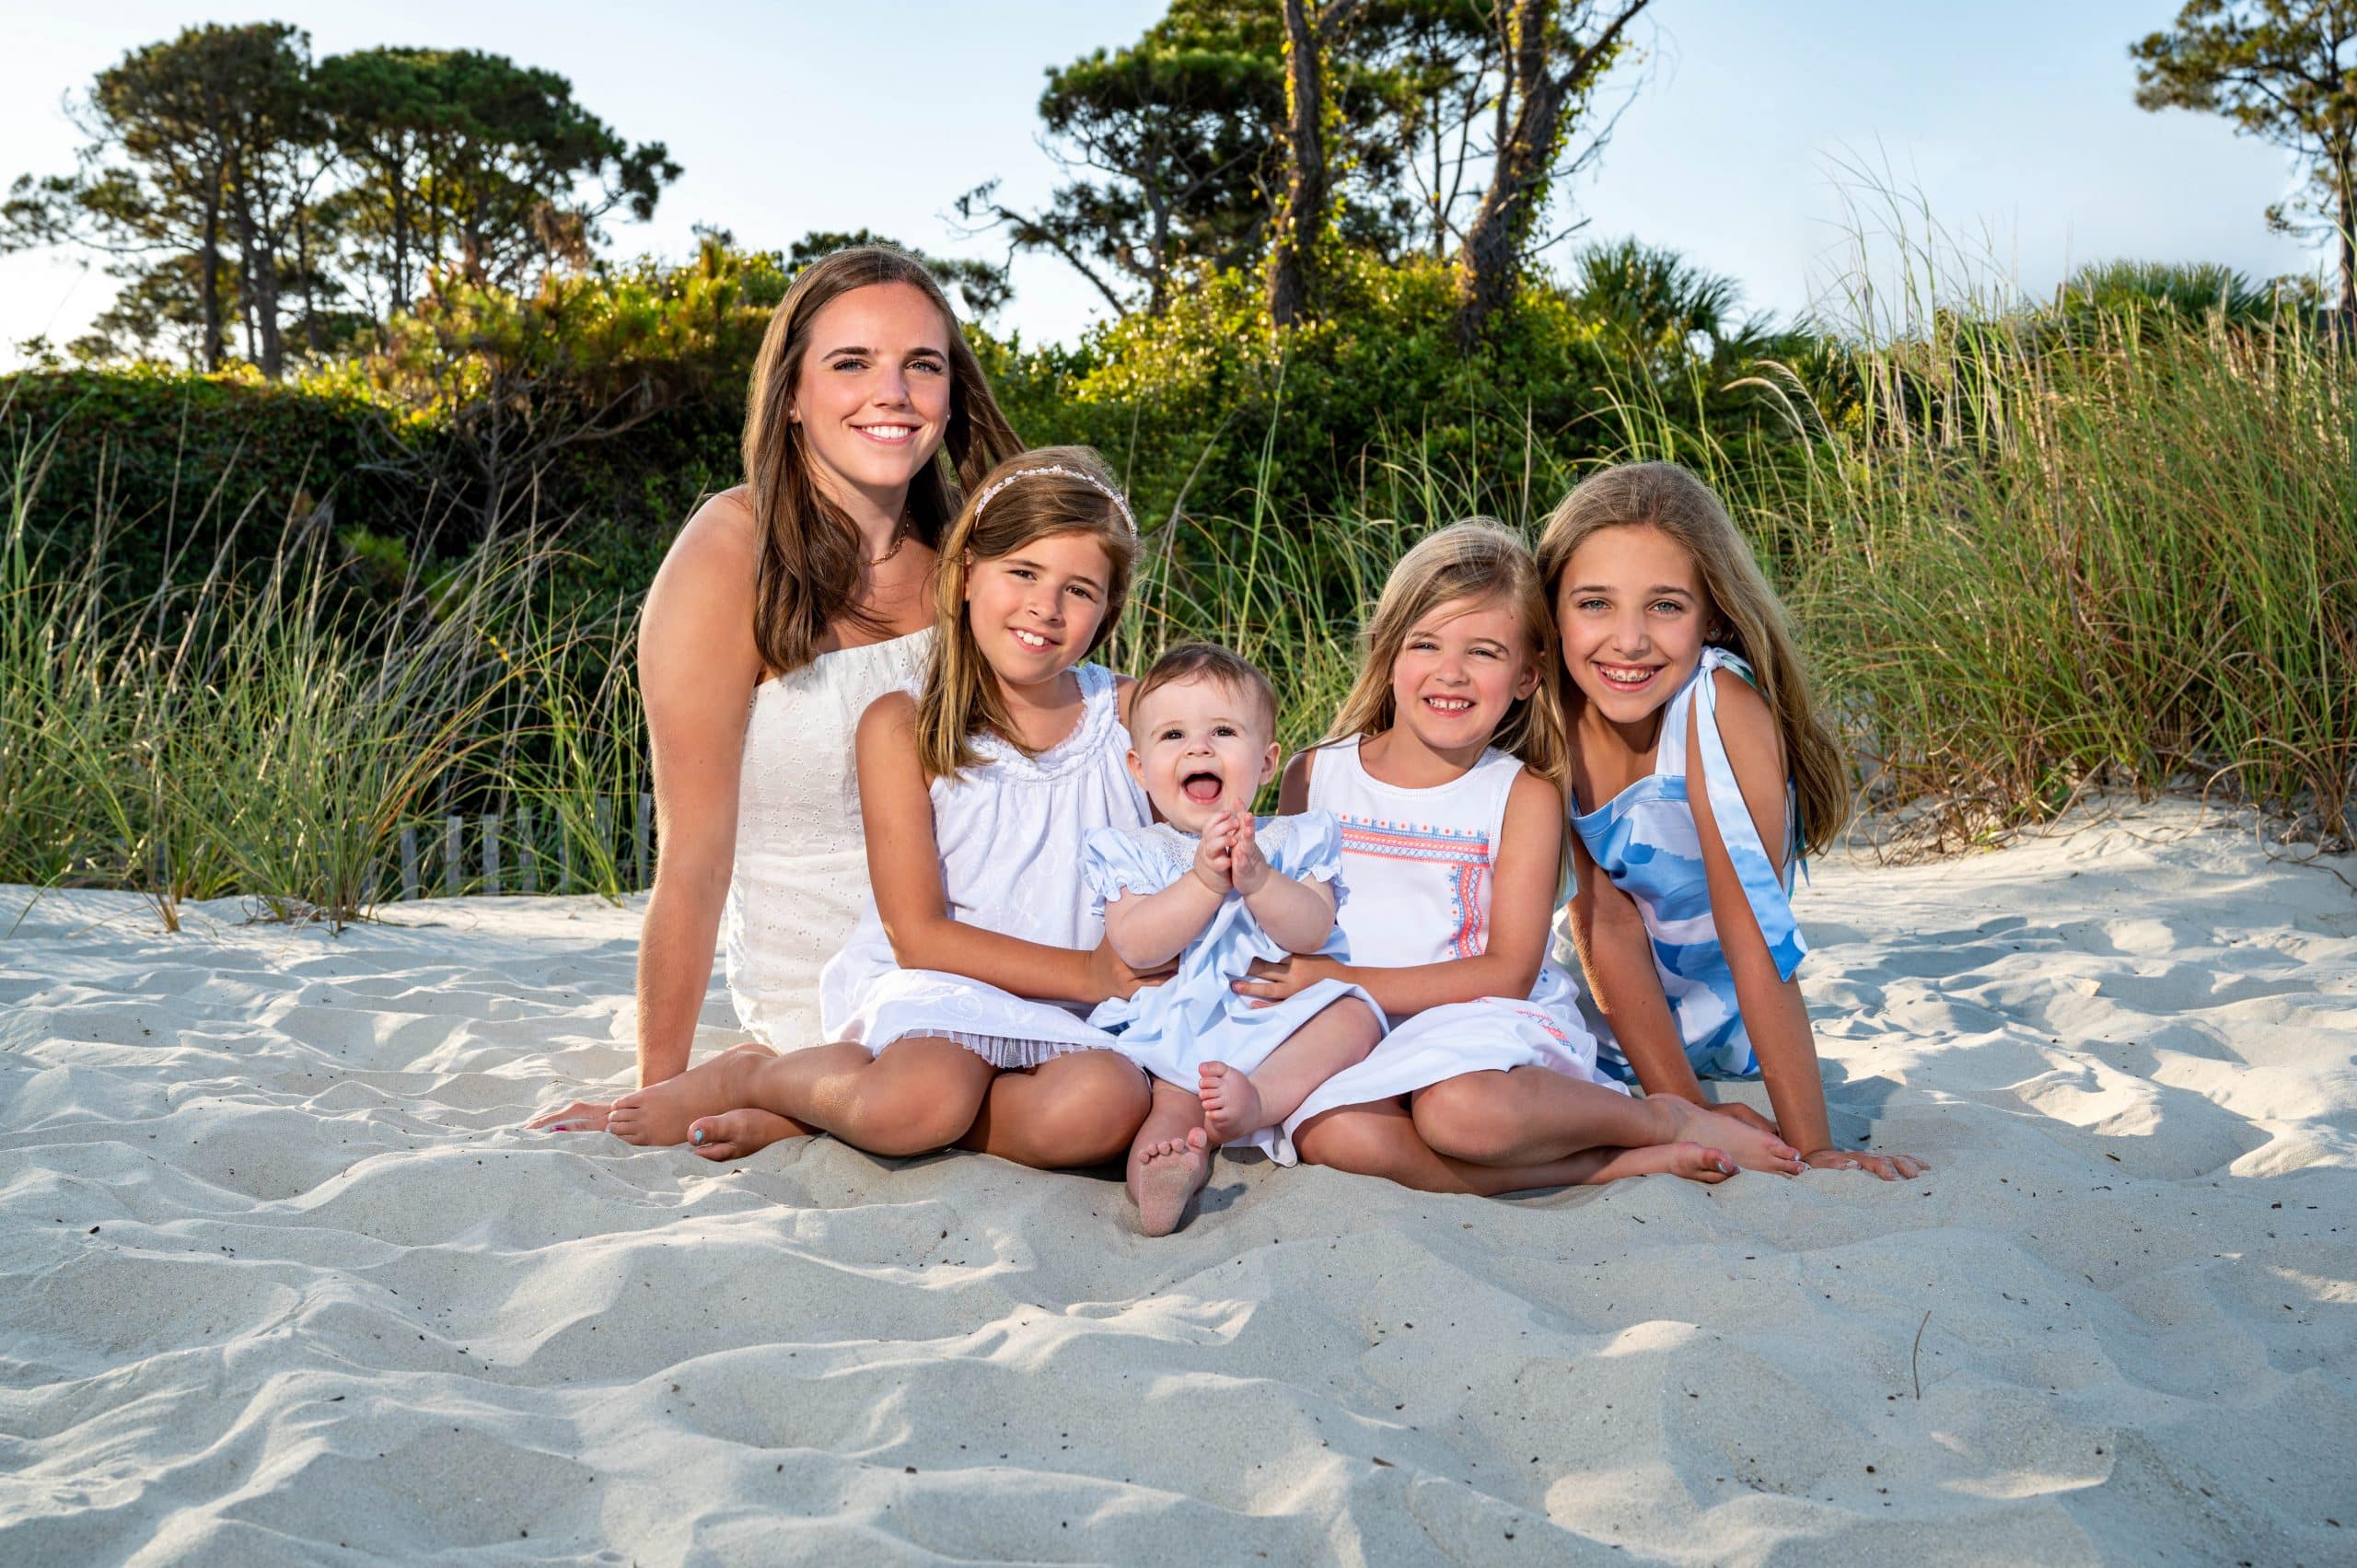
[1171, 1030]
[1646, 840]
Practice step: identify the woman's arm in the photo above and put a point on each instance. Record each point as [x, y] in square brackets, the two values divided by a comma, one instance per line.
[904, 868]
[1522, 902]
[697, 667]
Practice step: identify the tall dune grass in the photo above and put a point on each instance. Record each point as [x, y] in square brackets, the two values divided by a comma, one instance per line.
[274, 737]
[2024, 567]
[2021, 567]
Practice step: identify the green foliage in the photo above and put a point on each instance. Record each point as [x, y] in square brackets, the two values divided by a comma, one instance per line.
[2284, 71]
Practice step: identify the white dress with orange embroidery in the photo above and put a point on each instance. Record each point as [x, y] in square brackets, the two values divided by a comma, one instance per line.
[1418, 863]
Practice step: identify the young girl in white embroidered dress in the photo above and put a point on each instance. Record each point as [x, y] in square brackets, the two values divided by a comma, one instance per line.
[1443, 771]
[978, 954]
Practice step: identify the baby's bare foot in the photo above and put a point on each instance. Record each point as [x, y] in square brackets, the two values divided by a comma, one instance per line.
[1751, 1147]
[1164, 1177]
[1231, 1102]
[733, 1134]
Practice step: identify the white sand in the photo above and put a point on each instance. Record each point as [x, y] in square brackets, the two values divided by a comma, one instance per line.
[278, 1276]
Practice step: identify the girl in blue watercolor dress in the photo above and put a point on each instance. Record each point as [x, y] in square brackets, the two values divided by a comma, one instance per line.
[1695, 747]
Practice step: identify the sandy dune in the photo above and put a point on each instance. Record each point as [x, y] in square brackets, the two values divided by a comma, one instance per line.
[278, 1277]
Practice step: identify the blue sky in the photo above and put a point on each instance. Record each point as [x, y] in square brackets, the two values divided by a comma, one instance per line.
[2015, 121]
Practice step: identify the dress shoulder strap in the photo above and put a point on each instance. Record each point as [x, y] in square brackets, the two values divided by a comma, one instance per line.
[1763, 878]
[1333, 770]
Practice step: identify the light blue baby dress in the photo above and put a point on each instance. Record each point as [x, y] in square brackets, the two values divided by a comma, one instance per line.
[1172, 1028]
[1646, 840]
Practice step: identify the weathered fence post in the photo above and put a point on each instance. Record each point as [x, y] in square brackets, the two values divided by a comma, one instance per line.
[642, 833]
[454, 855]
[604, 818]
[491, 853]
[409, 862]
[528, 854]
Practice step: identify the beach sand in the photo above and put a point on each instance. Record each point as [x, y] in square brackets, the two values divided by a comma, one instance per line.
[280, 1278]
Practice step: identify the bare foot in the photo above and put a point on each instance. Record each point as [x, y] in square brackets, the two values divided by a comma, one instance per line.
[660, 1113]
[1751, 1147]
[581, 1116]
[1231, 1102]
[1693, 1161]
[1164, 1176]
[733, 1134]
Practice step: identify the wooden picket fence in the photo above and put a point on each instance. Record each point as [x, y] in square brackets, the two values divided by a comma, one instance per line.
[527, 851]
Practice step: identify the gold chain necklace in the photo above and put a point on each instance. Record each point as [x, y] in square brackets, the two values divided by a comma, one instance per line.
[900, 538]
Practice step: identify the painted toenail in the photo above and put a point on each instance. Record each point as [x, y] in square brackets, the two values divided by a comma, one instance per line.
[696, 1137]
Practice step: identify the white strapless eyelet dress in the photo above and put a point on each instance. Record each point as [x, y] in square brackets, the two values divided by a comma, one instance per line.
[800, 875]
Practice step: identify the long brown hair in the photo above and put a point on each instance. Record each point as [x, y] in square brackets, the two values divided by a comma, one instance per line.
[1750, 617]
[1026, 501]
[1477, 560]
[811, 554]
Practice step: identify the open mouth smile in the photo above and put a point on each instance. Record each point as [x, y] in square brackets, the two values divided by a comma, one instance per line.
[1450, 707]
[1202, 786]
[889, 435]
[1625, 676]
[1032, 640]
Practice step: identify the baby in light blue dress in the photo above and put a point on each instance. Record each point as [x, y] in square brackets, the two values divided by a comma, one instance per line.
[1214, 888]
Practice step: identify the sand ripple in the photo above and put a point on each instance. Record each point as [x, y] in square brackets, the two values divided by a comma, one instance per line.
[281, 1278]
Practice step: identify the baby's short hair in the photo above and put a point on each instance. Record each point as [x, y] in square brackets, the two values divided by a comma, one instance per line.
[1208, 661]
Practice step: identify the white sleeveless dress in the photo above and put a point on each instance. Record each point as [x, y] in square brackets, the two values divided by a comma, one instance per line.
[800, 875]
[1009, 831]
[1418, 863]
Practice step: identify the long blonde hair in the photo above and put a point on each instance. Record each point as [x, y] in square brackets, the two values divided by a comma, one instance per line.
[1474, 559]
[1750, 617]
[810, 552]
[961, 698]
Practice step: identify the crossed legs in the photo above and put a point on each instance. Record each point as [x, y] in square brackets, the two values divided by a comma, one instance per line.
[1494, 1132]
[913, 1097]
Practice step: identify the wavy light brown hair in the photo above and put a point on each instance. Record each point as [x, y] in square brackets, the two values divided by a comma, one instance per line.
[811, 556]
[1475, 560]
[960, 698]
[1750, 617]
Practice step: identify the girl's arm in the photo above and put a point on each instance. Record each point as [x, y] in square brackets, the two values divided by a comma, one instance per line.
[904, 868]
[1774, 1015]
[1522, 900]
[1298, 915]
[697, 667]
[1617, 956]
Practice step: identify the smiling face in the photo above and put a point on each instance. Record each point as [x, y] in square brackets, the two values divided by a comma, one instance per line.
[1460, 671]
[1632, 612]
[872, 399]
[1201, 745]
[1035, 610]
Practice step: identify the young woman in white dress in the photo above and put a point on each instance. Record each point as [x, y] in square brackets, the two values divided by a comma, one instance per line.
[785, 606]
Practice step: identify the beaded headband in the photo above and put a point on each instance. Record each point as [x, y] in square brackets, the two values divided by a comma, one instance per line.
[1088, 479]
